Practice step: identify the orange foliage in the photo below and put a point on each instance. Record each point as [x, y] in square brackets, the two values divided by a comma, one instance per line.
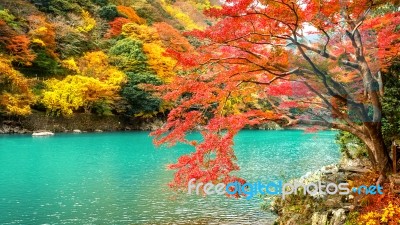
[116, 26]
[387, 37]
[5, 31]
[264, 52]
[129, 13]
[44, 31]
[172, 38]
[18, 46]
[16, 95]
[377, 209]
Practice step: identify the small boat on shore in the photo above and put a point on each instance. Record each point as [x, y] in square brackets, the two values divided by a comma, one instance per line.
[42, 134]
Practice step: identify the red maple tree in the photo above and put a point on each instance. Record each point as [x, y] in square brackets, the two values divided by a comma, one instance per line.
[264, 58]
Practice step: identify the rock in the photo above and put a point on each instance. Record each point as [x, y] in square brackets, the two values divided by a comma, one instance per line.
[348, 207]
[151, 125]
[319, 218]
[330, 169]
[98, 131]
[338, 217]
[6, 129]
[333, 202]
[354, 170]
[77, 131]
[294, 220]
[43, 133]
[23, 131]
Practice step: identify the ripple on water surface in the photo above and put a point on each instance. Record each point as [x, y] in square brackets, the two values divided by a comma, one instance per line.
[120, 178]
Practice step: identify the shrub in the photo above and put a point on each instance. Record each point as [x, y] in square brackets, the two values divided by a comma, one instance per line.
[140, 101]
[108, 12]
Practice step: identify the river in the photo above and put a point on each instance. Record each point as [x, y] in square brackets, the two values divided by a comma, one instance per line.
[121, 178]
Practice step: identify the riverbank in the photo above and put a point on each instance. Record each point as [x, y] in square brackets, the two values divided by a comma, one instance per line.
[84, 122]
[323, 209]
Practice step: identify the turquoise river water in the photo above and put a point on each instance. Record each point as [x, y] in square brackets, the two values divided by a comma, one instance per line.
[121, 178]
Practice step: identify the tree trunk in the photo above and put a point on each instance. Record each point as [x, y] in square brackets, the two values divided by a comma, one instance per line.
[378, 153]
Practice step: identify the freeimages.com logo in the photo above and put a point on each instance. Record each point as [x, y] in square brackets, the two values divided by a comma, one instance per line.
[280, 188]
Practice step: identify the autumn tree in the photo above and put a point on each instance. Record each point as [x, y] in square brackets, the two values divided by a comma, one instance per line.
[42, 33]
[128, 55]
[18, 47]
[130, 14]
[157, 60]
[116, 25]
[310, 62]
[87, 24]
[96, 84]
[177, 46]
[74, 92]
[16, 95]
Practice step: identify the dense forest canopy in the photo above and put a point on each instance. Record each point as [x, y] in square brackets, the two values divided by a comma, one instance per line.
[68, 56]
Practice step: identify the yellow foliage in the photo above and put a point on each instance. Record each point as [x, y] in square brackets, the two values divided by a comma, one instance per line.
[182, 17]
[92, 62]
[16, 104]
[164, 66]
[16, 95]
[70, 64]
[140, 32]
[88, 22]
[203, 5]
[388, 215]
[39, 42]
[97, 81]
[65, 96]
[41, 30]
[96, 64]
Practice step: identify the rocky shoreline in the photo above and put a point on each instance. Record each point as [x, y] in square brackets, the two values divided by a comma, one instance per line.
[321, 209]
[39, 122]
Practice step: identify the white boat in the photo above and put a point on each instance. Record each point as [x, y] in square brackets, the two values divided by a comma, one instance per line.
[44, 133]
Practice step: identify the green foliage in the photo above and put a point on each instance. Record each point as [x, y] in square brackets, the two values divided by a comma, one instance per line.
[194, 41]
[383, 9]
[350, 145]
[108, 12]
[100, 2]
[140, 101]
[352, 218]
[102, 108]
[43, 66]
[127, 54]
[391, 106]
[72, 43]
[8, 18]
[56, 34]
[62, 7]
